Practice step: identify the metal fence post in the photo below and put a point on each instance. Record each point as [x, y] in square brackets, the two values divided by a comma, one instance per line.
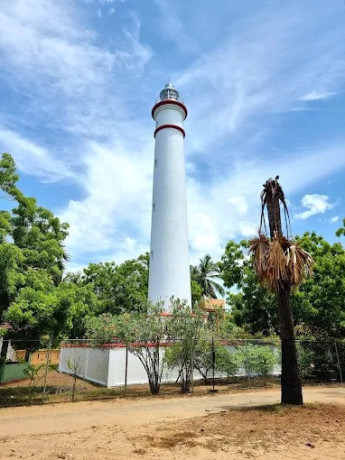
[192, 369]
[126, 368]
[338, 360]
[47, 367]
[213, 357]
[213, 362]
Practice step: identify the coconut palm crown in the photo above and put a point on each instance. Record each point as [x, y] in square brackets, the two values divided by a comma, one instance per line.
[205, 274]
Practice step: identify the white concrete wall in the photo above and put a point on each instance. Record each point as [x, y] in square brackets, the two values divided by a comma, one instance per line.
[107, 366]
[11, 352]
[91, 363]
[169, 256]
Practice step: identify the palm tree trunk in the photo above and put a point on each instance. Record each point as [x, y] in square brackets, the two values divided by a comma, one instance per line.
[291, 384]
[274, 218]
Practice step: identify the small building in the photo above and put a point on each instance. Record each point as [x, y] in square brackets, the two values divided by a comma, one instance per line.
[215, 309]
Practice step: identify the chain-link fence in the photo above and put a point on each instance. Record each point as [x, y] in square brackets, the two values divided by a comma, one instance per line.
[85, 369]
[322, 361]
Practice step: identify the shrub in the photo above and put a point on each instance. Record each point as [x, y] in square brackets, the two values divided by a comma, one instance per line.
[257, 359]
[226, 361]
[184, 328]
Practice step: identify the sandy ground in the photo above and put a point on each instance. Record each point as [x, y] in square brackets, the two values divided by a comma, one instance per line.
[204, 427]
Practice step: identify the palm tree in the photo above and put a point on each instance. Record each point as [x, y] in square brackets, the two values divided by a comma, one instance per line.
[204, 274]
[281, 264]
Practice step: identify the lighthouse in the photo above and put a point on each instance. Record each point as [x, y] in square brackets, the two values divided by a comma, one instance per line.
[169, 252]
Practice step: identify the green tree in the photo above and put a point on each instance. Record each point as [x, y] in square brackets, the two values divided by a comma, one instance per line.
[144, 333]
[41, 308]
[224, 360]
[257, 359]
[319, 302]
[102, 277]
[306, 360]
[205, 274]
[253, 306]
[184, 329]
[341, 230]
[32, 256]
[34, 231]
[103, 328]
[119, 288]
[228, 361]
[196, 292]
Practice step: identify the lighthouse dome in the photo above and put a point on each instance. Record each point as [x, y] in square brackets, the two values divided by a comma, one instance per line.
[169, 92]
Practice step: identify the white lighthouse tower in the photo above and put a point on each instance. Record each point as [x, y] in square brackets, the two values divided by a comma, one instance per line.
[169, 256]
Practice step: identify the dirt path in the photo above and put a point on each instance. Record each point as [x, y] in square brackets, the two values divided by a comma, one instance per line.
[65, 430]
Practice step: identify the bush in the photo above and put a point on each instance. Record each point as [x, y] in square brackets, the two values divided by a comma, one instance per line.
[184, 328]
[227, 362]
[257, 359]
[224, 360]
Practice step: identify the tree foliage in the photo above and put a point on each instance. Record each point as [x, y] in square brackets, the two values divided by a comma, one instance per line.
[318, 303]
[184, 330]
[253, 306]
[224, 360]
[119, 288]
[144, 333]
[32, 255]
[205, 275]
[257, 359]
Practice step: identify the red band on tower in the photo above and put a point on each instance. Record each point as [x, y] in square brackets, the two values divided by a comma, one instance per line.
[170, 101]
[170, 126]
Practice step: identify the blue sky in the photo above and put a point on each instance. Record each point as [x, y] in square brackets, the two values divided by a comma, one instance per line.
[264, 83]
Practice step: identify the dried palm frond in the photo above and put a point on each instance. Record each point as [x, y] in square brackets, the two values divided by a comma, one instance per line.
[259, 247]
[277, 272]
[299, 263]
[284, 242]
[279, 261]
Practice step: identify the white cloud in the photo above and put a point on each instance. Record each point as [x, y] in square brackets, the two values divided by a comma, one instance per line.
[204, 235]
[250, 75]
[334, 219]
[84, 88]
[52, 57]
[240, 202]
[34, 159]
[315, 204]
[317, 96]
[113, 221]
[117, 205]
[229, 207]
[172, 26]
